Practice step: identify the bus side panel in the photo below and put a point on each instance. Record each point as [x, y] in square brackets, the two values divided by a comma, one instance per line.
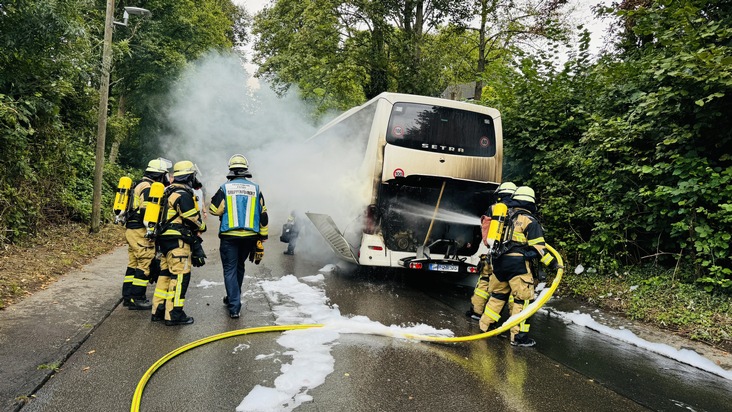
[499, 150]
[374, 156]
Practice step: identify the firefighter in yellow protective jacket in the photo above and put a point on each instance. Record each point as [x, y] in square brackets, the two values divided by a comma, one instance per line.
[180, 245]
[523, 240]
[482, 290]
[239, 203]
[141, 250]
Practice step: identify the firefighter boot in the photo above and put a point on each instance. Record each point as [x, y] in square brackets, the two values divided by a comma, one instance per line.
[472, 315]
[139, 304]
[127, 287]
[178, 317]
[137, 290]
[521, 339]
[159, 314]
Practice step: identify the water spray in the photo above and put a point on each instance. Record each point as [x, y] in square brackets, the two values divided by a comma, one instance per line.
[442, 216]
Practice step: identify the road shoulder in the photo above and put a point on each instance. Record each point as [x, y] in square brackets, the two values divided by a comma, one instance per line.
[41, 331]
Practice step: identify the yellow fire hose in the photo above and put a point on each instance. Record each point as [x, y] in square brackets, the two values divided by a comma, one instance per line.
[513, 321]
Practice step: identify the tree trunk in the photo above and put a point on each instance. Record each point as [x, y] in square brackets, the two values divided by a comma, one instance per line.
[378, 72]
[102, 121]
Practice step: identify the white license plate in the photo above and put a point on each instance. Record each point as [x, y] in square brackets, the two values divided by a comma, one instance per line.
[441, 267]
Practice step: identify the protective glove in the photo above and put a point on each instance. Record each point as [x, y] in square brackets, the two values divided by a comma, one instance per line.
[531, 253]
[541, 275]
[484, 267]
[197, 262]
[154, 271]
[198, 256]
[257, 254]
[554, 265]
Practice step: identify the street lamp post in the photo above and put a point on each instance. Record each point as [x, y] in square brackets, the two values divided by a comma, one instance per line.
[103, 102]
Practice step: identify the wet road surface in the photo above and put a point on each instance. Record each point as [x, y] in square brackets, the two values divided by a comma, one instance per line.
[572, 368]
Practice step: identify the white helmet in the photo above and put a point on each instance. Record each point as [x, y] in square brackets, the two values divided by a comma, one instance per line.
[238, 161]
[159, 165]
[184, 167]
[505, 189]
[525, 194]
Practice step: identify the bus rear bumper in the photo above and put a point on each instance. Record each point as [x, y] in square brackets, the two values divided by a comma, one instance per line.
[448, 266]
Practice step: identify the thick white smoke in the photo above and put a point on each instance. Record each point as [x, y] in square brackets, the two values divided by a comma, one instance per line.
[215, 114]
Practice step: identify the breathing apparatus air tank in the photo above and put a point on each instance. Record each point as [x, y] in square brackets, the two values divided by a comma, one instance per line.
[121, 199]
[498, 219]
[152, 211]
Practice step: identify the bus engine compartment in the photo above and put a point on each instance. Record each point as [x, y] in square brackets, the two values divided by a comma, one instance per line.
[434, 220]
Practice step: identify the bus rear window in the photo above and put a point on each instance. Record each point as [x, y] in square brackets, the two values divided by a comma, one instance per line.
[441, 129]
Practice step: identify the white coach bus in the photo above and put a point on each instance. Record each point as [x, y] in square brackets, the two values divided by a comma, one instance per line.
[429, 166]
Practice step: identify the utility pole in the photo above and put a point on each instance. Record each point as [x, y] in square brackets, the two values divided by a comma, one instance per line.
[102, 123]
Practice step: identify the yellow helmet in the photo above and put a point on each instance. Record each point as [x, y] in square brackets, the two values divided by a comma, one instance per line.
[238, 161]
[158, 165]
[525, 194]
[505, 189]
[184, 167]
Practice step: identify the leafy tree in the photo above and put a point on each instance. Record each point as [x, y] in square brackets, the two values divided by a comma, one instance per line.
[339, 53]
[307, 43]
[681, 97]
[417, 21]
[150, 56]
[49, 74]
[630, 155]
[46, 64]
[503, 25]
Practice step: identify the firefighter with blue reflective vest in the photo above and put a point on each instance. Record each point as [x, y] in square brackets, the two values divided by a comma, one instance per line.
[239, 203]
[140, 249]
[179, 244]
[502, 194]
[522, 241]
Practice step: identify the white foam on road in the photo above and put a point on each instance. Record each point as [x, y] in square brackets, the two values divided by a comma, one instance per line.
[295, 302]
[207, 284]
[686, 356]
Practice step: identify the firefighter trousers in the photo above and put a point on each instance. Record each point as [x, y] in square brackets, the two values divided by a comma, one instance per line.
[521, 288]
[175, 275]
[483, 287]
[140, 252]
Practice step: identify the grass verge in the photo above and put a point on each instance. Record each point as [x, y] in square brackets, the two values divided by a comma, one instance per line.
[33, 265]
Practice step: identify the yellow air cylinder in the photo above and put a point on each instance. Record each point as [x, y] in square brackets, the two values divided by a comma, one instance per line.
[498, 218]
[122, 195]
[152, 211]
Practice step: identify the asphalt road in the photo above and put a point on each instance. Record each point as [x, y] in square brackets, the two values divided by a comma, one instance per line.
[103, 349]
